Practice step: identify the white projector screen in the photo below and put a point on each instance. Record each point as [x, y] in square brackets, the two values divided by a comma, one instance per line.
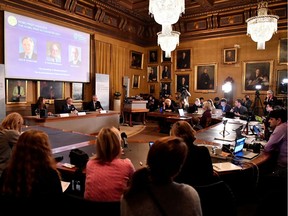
[37, 50]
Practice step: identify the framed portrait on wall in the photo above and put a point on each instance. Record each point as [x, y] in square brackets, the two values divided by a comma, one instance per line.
[282, 51]
[136, 81]
[16, 91]
[183, 59]
[205, 78]
[152, 88]
[50, 89]
[282, 82]
[77, 91]
[165, 89]
[166, 72]
[182, 82]
[153, 56]
[136, 59]
[230, 56]
[257, 73]
[164, 58]
[152, 73]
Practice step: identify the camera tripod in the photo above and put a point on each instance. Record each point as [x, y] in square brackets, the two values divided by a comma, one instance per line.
[257, 102]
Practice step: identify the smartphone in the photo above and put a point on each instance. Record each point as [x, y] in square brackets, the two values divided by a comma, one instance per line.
[151, 143]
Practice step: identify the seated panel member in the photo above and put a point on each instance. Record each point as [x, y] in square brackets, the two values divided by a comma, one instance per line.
[69, 107]
[94, 104]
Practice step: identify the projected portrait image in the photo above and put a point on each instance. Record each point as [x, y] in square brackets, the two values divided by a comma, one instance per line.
[53, 52]
[74, 55]
[27, 48]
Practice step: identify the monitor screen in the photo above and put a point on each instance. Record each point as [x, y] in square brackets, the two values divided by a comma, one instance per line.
[38, 50]
[239, 144]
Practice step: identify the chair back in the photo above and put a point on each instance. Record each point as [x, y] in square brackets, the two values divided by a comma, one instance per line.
[58, 105]
[217, 197]
[33, 108]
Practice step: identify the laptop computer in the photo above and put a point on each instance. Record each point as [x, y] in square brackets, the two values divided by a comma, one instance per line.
[181, 113]
[229, 114]
[200, 110]
[238, 149]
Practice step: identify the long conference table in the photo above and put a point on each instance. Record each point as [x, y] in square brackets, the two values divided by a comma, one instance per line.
[64, 139]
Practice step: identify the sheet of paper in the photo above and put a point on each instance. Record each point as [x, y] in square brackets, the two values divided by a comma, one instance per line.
[225, 166]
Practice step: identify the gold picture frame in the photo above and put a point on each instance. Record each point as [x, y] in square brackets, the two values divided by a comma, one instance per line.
[182, 81]
[15, 94]
[136, 81]
[77, 91]
[153, 56]
[230, 55]
[152, 73]
[257, 73]
[136, 60]
[282, 51]
[52, 90]
[183, 60]
[282, 85]
[205, 78]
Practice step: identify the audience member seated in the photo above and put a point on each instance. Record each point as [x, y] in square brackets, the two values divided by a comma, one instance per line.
[197, 168]
[206, 118]
[247, 103]
[168, 106]
[217, 104]
[195, 106]
[69, 107]
[40, 105]
[225, 107]
[10, 130]
[94, 104]
[274, 183]
[153, 190]
[270, 98]
[152, 103]
[31, 176]
[238, 109]
[213, 108]
[107, 175]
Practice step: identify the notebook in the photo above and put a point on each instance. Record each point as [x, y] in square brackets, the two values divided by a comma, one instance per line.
[229, 115]
[238, 149]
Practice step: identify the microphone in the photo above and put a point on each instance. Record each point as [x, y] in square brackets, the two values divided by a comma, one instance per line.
[124, 138]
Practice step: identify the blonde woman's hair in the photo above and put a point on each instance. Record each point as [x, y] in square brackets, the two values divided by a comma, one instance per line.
[207, 105]
[12, 121]
[108, 146]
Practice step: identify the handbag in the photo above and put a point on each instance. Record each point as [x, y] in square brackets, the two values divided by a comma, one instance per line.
[78, 158]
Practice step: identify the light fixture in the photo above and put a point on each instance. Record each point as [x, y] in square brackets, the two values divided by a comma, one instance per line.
[168, 42]
[285, 81]
[262, 27]
[227, 87]
[166, 12]
[258, 87]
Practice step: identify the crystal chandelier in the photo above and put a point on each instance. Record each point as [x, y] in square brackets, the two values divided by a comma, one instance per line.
[166, 11]
[262, 27]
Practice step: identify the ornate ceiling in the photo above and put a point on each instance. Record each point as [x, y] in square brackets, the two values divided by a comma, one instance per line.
[130, 21]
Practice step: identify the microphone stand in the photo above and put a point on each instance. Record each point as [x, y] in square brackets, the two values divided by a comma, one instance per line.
[224, 132]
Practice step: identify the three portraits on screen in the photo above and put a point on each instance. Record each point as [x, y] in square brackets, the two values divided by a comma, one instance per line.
[29, 51]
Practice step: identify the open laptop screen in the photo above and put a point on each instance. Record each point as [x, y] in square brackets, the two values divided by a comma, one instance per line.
[181, 112]
[239, 145]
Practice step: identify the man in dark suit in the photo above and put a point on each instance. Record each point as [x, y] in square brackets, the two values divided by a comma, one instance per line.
[224, 106]
[94, 104]
[28, 49]
[69, 107]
